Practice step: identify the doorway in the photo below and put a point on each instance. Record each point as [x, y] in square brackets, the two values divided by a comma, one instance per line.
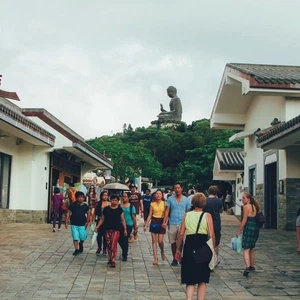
[270, 196]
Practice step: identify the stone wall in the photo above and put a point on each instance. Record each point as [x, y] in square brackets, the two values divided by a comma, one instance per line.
[292, 191]
[260, 195]
[23, 216]
[281, 222]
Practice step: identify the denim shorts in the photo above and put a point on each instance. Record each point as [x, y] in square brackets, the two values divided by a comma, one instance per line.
[78, 233]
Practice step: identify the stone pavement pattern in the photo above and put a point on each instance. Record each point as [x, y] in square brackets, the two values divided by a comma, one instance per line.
[36, 263]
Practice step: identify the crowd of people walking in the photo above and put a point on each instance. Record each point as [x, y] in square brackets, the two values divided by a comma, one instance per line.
[188, 222]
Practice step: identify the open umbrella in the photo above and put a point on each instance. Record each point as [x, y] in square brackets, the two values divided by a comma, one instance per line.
[116, 186]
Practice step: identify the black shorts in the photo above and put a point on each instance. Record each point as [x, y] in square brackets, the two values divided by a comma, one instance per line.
[218, 237]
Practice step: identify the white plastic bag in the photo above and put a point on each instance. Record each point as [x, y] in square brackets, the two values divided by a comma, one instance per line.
[233, 243]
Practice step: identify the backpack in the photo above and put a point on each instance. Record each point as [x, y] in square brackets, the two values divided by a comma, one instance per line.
[71, 194]
[260, 219]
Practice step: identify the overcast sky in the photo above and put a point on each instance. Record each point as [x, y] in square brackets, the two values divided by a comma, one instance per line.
[96, 65]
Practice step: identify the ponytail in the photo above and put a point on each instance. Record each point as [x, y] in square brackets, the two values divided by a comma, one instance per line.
[253, 201]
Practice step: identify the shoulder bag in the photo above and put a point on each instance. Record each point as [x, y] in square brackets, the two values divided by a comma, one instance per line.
[203, 254]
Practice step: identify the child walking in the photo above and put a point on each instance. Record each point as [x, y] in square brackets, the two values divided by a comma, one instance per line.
[80, 214]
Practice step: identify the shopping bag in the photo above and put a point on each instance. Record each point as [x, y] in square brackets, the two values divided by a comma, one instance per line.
[94, 238]
[239, 244]
[92, 229]
[233, 243]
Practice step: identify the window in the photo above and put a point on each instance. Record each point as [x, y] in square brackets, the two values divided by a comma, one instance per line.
[5, 163]
[252, 181]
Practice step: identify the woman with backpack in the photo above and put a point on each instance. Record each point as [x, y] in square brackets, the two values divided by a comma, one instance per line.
[250, 230]
[156, 215]
[130, 220]
[100, 205]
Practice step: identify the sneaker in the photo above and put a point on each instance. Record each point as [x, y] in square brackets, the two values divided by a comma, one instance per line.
[104, 251]
[124, 258]
[174, 263]
[112, 264]
[54, 230]
[59, 229]
[251, 268]
[81, 247]
[109, 263]
[98, 251]
[246, 272]
[76, 252]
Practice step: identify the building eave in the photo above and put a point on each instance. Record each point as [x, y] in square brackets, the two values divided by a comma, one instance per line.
[24, 128]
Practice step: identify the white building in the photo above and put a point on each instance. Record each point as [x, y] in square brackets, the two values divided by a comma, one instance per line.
[254, 99]
[229, 167]
[38, 152]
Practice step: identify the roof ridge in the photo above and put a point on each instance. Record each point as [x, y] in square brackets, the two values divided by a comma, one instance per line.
[261, 65]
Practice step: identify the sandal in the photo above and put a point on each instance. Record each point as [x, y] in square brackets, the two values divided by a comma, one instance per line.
[155, 261]
[112, 264]
[163, 256]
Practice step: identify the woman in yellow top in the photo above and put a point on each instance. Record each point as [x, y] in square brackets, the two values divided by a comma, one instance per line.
[193, 273]
[156, 215]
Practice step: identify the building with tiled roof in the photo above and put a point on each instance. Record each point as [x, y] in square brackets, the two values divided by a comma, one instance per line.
[229, 167]
[37, 153]
[263, 102]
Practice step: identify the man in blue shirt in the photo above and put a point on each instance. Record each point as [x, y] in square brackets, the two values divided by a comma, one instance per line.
[177, 205]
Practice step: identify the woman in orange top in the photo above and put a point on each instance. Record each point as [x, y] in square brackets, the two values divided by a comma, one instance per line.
[156, 215]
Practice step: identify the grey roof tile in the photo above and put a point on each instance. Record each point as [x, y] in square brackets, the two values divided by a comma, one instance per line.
[270, 74]
[231, 159]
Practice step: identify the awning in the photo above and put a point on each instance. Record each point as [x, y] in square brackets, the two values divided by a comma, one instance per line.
[88, 154]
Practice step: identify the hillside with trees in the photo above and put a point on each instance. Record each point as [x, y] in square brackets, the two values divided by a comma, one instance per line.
[181, 154]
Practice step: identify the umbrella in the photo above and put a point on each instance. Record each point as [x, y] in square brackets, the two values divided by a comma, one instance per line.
[116, 186]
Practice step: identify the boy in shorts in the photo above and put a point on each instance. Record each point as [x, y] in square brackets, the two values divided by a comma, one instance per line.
[80, 214]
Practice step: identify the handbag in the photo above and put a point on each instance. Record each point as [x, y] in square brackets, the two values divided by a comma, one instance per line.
[155, 228]
[260, 219]
[203, 254]
[62, 206]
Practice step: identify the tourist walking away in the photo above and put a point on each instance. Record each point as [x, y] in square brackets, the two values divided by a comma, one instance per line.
[136, 200]
[214, 206]
[80, 216]
[130, 220]
[193, 273]
[298, 231]
[156, 216]
[92, 198]
[250, 230]
[177, 205]
[113, 221]
[70, 194]
[228, 200]
[191, 195]
[57, 200]
[100, 205]
[147, 199]
[167, 194]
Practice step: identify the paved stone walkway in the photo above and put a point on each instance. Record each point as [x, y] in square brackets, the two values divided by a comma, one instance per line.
[36, 263]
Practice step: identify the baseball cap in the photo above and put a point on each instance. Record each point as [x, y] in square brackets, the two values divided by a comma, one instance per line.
[132, 185]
